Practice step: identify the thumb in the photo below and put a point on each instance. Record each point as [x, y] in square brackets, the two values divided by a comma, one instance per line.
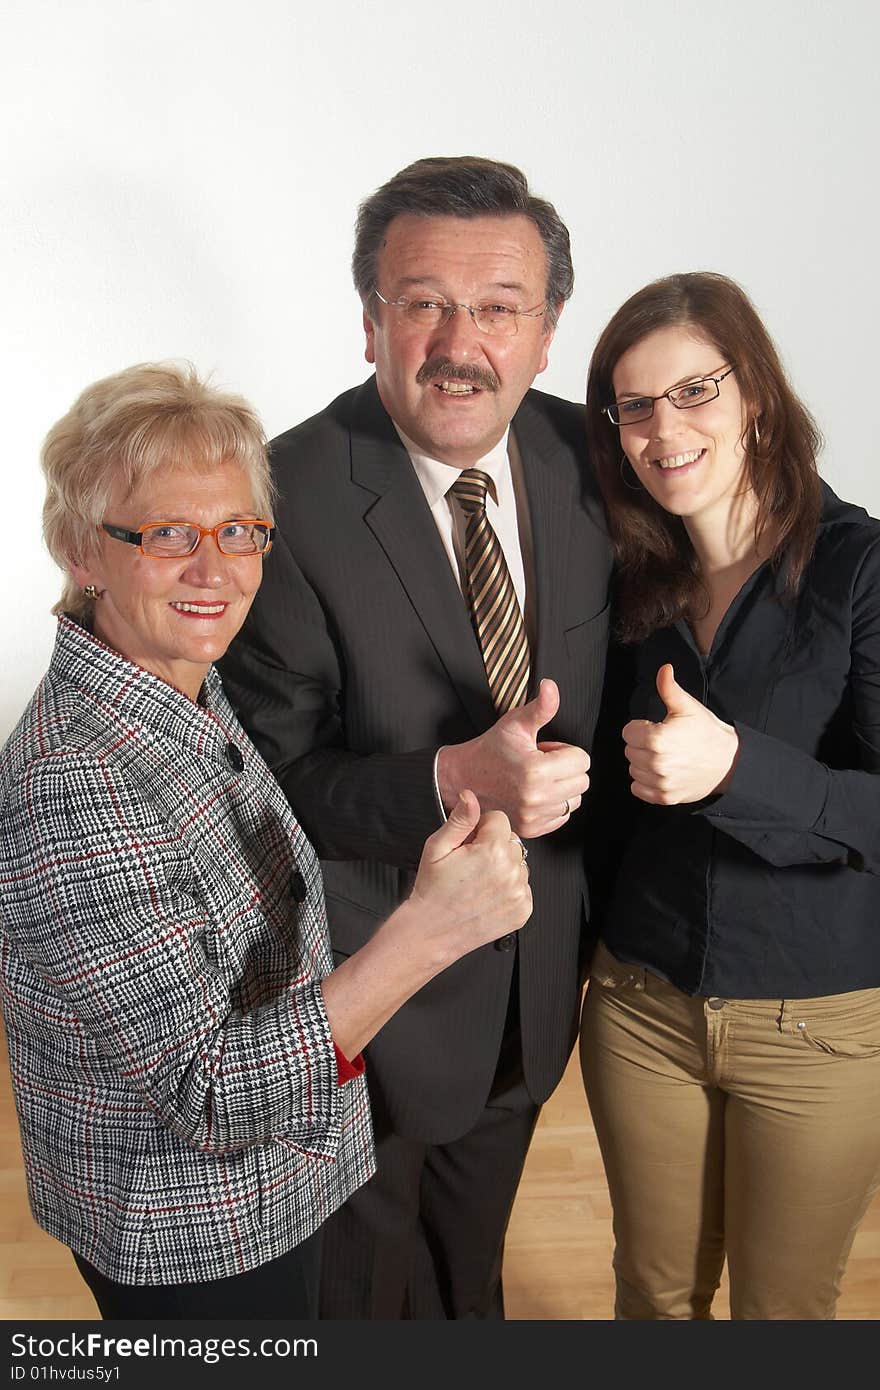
[676, 700]
[463, 820]
[530, 719]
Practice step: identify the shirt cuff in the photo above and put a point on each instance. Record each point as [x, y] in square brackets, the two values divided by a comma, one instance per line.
[772, 783]
[437, 796]
[346, 1070]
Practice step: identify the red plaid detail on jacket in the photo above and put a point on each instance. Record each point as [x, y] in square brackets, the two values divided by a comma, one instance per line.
[162, 939]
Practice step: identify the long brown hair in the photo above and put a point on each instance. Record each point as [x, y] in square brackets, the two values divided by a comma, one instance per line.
[658, 577]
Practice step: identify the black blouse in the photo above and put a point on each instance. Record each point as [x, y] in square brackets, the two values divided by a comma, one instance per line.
[772, 889]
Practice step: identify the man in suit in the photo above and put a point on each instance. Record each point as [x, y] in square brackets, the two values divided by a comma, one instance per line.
[381, 671]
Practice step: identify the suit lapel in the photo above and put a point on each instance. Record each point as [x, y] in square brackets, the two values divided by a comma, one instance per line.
[550, 505]
[398, 515]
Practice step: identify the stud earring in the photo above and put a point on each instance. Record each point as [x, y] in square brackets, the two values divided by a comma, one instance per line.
[91, 591]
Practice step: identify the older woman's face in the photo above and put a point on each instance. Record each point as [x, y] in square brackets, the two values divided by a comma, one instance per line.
[690, 461]
[174, 617]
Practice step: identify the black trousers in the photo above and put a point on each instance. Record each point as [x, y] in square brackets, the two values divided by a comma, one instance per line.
[282, 1288]
[424, 1238]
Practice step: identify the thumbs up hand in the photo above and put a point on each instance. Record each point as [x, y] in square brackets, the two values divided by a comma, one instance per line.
[537, 784]
[520, 727]
[689, 756]
[473, 881]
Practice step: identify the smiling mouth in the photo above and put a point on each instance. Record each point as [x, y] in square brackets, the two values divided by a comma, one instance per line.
[459, 379]
[200, 610]
[675, 461]
[457, 388]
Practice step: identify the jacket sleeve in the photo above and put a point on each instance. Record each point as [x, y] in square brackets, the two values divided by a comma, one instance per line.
[285, 675]
[792, 809]
[609, 807]
[101, 900]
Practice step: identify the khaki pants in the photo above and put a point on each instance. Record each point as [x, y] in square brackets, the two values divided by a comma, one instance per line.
[749, 1128]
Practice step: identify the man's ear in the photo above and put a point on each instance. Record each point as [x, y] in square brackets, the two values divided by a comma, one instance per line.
[547, 337]
[370, 338]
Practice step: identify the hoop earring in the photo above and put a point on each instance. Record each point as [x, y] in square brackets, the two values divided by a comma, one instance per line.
[633, 487]
[91, 591]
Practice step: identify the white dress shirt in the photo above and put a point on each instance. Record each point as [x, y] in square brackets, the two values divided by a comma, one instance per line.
[508, 514]
[507, 511]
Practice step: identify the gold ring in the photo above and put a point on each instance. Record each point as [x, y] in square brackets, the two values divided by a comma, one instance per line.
[567, 811]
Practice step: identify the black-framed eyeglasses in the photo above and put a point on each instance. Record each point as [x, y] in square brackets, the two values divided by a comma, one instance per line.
[638, 408]
[171, 540]
[430, 311]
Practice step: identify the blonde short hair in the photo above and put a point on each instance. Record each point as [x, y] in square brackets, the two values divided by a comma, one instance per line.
[125, 427]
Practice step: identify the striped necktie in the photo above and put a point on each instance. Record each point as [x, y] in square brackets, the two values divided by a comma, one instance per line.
[495, 611]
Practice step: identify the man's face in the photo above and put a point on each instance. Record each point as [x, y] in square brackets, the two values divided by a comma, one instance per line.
[420, 370]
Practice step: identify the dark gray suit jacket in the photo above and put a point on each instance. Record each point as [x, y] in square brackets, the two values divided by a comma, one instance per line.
[358, 660]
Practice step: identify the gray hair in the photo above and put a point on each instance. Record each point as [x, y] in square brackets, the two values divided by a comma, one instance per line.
[122, 429]
[460, 186]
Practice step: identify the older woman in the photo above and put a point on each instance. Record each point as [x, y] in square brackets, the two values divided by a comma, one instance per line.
[178, 1038]
[731, 1032]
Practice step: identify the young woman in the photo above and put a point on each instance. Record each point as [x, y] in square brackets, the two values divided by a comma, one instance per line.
[731, 1033]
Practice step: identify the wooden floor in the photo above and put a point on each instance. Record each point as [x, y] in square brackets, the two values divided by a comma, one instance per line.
[558, 1263]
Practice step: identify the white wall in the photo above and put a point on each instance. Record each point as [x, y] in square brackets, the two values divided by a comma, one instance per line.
[180, 179]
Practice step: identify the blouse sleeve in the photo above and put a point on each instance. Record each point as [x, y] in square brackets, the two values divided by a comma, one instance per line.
[102, 906]
[792, 809]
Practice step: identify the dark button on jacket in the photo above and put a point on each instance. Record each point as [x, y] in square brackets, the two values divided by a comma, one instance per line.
[234, 757]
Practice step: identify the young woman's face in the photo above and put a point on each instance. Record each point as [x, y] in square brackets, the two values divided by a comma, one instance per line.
[690, 460]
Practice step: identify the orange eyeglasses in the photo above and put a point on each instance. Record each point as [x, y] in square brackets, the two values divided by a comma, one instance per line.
[171, 540]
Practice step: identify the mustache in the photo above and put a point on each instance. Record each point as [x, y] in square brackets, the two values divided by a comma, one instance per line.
[467, 372]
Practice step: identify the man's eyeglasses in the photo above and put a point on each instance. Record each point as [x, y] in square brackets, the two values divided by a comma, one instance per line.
[171, 540]
[638, 408]
[429, 312]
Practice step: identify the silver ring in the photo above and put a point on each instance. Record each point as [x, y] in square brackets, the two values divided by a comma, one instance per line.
[567, 810]
[525, 853]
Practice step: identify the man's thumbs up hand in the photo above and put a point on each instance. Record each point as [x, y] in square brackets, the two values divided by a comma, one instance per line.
[536, 784]
[527, 721]
[689, 756]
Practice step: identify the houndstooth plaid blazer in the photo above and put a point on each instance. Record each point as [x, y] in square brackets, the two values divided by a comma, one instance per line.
[162, 939]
